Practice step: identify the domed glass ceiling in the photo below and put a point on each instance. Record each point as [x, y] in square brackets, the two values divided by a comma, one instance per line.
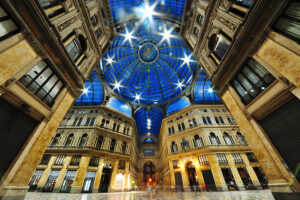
[148, 63]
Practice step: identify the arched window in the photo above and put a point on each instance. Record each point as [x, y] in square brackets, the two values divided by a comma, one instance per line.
[75, 46]
[228, 139]
[200, 20]
[214, 139]
[198, 142]
[55, 140]
[83, 140]
[94, 20]
[69, 140]
[124, 145]
[218, 44]
[185, 144]
[112, 145]
[241, 138]
[174, 147]
[208, 120]
[99, 142]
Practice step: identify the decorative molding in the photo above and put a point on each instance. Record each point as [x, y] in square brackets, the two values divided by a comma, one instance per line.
[226, 22]
[67, 23]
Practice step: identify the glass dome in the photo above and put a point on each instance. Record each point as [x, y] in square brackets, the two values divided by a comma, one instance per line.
[148, 63]
[178, 104]
[119, 105]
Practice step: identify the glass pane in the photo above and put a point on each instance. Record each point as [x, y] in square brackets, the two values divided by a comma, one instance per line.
[288, 26]
[293, 10]
[221, 48]
[50, 83]
[44, 76]
[56, 89]
[7, 26]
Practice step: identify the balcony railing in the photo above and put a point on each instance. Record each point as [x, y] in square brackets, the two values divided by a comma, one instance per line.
[212, 147]
[85, 148]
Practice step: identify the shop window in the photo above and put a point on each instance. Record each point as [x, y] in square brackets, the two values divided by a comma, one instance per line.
[251, 81]
[94, 161]
[251, 157]
[222, 159]
[50, 183]
[68, 181]
[75, 160]
[7, 26]
[45, 159]
[289, 22]
[203, 160]
[237, 158]
[229, 179]
[34, 181]
[42, 82]
[60, 160]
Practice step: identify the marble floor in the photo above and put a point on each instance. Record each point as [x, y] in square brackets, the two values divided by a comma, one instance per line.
[240, 195]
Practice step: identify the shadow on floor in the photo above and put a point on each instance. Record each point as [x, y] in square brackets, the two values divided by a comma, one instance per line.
[286, 196]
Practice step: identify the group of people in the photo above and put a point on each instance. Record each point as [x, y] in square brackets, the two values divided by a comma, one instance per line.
[152, 189]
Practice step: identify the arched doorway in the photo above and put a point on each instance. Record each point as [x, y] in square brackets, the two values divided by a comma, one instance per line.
[149, 173]
[193, 179]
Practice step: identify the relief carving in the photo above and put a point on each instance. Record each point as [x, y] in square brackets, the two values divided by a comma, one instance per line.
[67, 23]
[226, 22]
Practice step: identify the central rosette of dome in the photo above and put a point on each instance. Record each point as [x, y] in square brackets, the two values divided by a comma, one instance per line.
[148, 52]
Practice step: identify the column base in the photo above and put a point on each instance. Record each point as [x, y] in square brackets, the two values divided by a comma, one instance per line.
[76, 189]
[14, 192]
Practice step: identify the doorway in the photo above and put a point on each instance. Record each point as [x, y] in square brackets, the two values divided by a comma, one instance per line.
[178, 181]
[209, 181]
[193, 179]
[149, 173]
[229, 179]
[105, 179]
[88, 182]
[261, 177]
[246, 178]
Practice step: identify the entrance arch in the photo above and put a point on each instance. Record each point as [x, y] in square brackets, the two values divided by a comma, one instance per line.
[193, 178]
[149, 173]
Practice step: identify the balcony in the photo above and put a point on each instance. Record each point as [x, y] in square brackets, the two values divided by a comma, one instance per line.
[243, 147]
[84, 148]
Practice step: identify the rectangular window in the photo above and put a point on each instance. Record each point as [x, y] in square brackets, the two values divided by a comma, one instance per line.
[222, 159]
[221, 120]
[88, 181]
[94, 161]
[75, 160]
[45, 159]
[194, 122]
[203, 160]
[59, 160]
[51, 181]
[204, 120]
[217, 120]
[42, 82]
[79, 121]
[68, 181]
[179, 127]
[237, 158]
[182, 125]
[93, 121]
[190, 123]
[251, 157]
[252, 79]
[7, 26]
[289, 22]
[35, 179]
[87, 121]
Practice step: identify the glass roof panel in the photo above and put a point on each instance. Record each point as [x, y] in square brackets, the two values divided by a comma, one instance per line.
[124, 10]
[148, 120]
[93, 92]
[119, 105]
[148, 63]
[203, 93]
[178, 104]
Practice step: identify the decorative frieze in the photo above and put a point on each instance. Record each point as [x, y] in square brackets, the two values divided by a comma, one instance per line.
[67, 23]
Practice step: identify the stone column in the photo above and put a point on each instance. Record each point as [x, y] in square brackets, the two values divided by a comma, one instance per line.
[126, 186]
[62, 174]
[198, 172]
[251, 172]
[217, 173]
[184, 174]
[235, 173]
[46, 173]
[113, 176]
[172, 176]
[80, 176]
[98, 176]
[260, 145]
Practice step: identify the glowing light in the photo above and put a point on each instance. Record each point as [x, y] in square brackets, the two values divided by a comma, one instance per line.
[210, 90]
[137, 97]
[117, 85]
[167, 35]
[149, 123]
[180, 85]
[85, 91]
[148, 11]
[187, 60]
[109, 60]
[128, 36]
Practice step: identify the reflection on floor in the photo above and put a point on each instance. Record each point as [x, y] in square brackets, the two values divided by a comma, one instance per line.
[241, 195]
